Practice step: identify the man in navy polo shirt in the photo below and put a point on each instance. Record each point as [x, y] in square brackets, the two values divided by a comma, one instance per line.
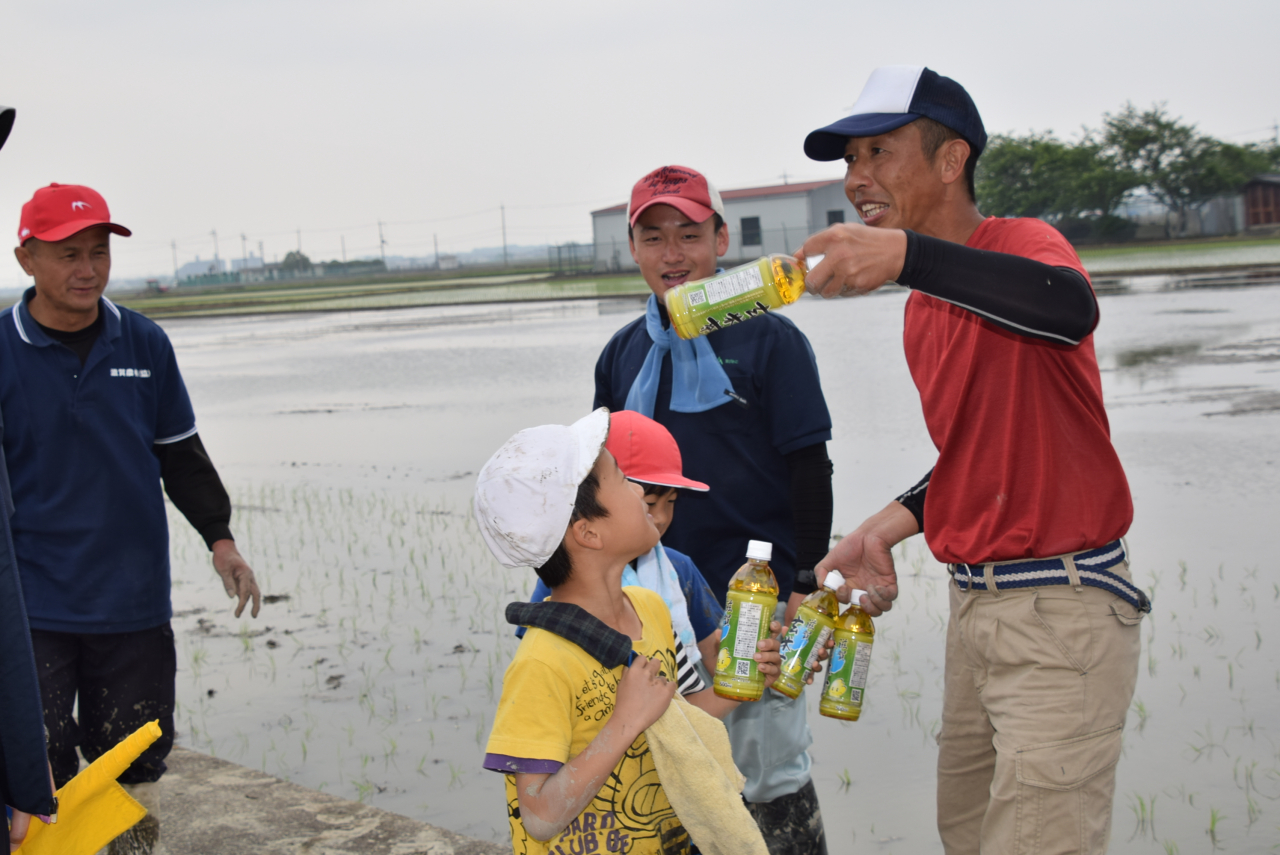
[96, 415]
[747, 411]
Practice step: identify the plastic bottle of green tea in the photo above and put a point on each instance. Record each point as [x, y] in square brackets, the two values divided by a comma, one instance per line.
[846, 685]
[749, 607]
[737, 295]
[813, 624]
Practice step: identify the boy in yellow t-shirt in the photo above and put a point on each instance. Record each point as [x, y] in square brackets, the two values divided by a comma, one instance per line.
[569, 732]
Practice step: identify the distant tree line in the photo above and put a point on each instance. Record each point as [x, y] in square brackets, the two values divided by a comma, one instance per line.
[1078, 186]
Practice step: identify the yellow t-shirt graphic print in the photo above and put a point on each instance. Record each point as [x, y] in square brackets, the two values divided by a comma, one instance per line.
[555, 699]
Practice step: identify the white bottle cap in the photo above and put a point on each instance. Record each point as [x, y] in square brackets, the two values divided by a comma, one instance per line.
[759, 550]
[833, 581]
[855, 597]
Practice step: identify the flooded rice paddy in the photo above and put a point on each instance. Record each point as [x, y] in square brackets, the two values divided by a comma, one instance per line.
[349, 443]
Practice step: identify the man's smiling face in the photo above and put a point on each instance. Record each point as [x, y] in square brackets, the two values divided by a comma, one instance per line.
[672, 250]
[890, 181]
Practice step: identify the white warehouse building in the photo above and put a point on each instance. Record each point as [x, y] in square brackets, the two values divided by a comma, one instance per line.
[761, 220]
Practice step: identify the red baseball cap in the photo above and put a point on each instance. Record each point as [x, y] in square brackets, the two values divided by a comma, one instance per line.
[685, 189]
[646, 451]
[58, 211]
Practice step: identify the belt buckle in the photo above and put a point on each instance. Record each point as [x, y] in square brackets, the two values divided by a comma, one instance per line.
[968, 576]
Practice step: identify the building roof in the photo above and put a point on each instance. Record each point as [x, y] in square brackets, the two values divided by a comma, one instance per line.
[1265, 178]
[748, 193]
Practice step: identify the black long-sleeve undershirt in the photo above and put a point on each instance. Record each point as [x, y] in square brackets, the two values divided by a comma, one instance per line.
[913, 499]
[194, 487]
[189, 478]
[811, 511]
[1017, 294]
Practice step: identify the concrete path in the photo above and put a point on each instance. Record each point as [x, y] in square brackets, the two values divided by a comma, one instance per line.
[211, 807]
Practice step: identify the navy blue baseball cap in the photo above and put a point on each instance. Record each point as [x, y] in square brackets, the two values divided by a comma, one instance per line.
[896, 95]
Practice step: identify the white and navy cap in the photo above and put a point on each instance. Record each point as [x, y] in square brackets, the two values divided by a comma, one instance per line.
[896, 95]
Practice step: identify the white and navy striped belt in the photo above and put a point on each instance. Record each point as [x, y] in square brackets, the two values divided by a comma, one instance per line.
[1092, 567]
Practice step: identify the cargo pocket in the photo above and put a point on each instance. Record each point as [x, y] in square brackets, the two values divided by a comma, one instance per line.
[1068, 763]
[1065, 793]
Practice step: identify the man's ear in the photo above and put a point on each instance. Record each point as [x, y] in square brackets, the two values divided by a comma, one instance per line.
[585, 535]
[24, 258]
[951, 160]
[722, 240]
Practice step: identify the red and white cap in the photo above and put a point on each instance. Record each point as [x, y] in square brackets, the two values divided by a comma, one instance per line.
[58, 211]
[685, 189]
[646, 451]
[526, 491]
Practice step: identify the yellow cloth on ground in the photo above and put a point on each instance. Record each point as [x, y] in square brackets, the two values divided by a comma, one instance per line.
[93, 809]
[695, 764]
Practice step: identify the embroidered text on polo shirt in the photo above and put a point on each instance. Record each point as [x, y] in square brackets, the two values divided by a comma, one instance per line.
[130, 372]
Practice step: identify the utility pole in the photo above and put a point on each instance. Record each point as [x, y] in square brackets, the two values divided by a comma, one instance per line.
[435, 239]
[783, 176]
[215, 247]
[503, 209]
[244, 252]
[174, 244]
[262, 255]
[344, 249]
[382, 245]
[299, 241]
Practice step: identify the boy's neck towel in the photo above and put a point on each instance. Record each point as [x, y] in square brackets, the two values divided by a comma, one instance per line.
[688, 746]
[655, 571]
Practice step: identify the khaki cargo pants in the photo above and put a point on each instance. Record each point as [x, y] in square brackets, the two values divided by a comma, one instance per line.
[1037, 684]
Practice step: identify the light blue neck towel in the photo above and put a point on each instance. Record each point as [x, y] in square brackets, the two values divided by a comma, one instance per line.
[655, 571]
[698, 382]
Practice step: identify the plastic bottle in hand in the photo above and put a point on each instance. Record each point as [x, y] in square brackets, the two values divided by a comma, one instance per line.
[850, 660]
[737, 295]
[813, 624]
[749, 607]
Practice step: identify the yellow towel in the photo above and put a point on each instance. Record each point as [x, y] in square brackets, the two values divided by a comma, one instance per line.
[93, 809]
[695, 765]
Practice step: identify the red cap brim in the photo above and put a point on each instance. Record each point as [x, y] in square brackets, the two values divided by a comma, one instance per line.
[695, 211]
[670, 479]
[66, 230]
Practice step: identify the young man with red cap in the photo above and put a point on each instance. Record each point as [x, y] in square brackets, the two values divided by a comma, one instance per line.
[746, 408]
[1027, 503]
[96, 415]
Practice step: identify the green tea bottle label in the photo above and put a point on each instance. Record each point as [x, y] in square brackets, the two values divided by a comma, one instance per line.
[804, 640]
[747, 624]
[850, 662]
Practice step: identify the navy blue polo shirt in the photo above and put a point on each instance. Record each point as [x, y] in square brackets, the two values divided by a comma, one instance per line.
[737, 450]
[89, 525]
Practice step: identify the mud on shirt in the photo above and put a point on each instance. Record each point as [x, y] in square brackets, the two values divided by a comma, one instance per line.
[555, 699]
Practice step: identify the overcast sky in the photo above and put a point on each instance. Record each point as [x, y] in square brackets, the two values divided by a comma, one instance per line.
[261, 118]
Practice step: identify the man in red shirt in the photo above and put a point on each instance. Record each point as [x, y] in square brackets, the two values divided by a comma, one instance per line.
[1027, 501]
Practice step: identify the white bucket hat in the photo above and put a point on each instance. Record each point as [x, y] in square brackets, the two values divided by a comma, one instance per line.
[525, 493]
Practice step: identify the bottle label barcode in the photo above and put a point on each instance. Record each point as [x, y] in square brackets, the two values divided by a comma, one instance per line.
[742, 668]
[855, 697]
[697, 298]
[734, 284]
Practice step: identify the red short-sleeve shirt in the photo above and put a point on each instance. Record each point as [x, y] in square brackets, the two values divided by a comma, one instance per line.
[1025, 462]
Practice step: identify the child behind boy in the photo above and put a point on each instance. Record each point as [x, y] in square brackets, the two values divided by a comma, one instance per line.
[647, 454]
[569, 733]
